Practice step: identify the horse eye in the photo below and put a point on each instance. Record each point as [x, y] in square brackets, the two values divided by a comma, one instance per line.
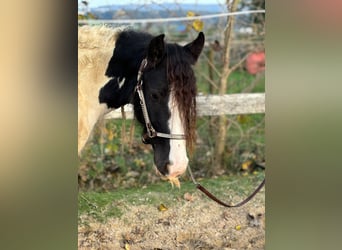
[155, 96]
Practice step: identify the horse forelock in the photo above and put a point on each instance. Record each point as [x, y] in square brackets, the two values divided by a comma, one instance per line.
[183, 87]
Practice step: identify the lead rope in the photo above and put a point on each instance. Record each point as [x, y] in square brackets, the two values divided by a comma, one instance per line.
[214, 198]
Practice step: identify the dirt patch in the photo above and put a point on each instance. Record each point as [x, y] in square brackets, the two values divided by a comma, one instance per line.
[192, 222]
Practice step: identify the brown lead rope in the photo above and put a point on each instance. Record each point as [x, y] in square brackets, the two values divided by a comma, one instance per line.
[214, 198]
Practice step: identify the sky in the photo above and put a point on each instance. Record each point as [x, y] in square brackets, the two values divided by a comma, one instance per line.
[96, 3]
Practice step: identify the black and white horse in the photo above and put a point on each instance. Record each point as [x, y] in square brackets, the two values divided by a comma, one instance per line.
[158, 79]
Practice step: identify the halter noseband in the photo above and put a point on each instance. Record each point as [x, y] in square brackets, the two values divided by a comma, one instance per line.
[151, 132]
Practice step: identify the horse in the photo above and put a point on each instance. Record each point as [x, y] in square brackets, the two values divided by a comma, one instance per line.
[158, 79]
[95, 47]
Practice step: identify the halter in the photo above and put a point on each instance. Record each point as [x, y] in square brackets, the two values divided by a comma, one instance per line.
[151, 132]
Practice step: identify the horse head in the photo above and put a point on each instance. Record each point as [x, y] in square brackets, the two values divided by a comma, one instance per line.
[168, 87]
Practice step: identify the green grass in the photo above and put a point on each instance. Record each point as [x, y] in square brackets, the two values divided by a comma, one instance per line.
[103, 205]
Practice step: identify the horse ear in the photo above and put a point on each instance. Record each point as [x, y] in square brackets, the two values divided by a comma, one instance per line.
[195, 47]
[156, 49]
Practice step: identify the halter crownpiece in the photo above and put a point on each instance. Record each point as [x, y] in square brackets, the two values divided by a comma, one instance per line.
[141, 69]
[151, 132]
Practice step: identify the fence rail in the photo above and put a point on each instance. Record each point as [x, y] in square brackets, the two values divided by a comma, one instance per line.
[214, 105]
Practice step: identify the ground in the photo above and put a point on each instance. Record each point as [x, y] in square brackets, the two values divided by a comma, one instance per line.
[179, 219]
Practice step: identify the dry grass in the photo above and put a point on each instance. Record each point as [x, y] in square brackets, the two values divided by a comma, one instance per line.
[190, 222]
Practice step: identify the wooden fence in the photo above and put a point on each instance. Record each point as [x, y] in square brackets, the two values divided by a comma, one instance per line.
[214, 105]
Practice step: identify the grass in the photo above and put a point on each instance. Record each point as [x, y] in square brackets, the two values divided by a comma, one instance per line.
[103, 205]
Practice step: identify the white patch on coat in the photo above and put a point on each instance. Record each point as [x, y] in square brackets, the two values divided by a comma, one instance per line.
[177, 156]
[121, 83]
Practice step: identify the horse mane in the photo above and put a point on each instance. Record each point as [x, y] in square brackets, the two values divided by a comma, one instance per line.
[183, 84]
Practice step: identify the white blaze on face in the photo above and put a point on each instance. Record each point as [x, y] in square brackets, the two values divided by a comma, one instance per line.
[177, 156]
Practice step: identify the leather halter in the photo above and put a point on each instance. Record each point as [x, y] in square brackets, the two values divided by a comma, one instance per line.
[151, 132]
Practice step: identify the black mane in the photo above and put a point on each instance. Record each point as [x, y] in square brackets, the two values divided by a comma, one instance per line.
[130, 50]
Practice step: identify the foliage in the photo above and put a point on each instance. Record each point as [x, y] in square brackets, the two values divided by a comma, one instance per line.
[108, 161]
[86, 16]
[196, 24]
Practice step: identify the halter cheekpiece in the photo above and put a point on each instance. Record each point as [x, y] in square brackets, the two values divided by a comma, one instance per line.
[151, 132]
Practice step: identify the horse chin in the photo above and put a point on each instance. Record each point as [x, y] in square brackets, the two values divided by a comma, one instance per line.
[172, 179]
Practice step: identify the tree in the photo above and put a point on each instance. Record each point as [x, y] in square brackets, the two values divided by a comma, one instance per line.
[226, 70]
